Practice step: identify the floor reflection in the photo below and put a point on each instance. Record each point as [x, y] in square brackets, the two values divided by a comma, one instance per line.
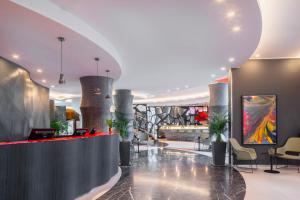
[171, 175]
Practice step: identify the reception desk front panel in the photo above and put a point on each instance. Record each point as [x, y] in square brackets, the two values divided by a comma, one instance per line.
[61, 169]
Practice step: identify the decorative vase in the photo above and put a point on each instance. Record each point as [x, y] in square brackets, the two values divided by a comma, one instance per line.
[219, 152]
[124, 148]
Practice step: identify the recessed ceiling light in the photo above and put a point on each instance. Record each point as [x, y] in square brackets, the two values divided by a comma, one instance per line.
[15, 56]
[213, 75]
[168, 90]
[230, 14]
[231, 59]
[223, 68]
[257, 55]
[177, 88]
[186, 86]
[236, 29]
[219, 1]
[53, 86]
[44, 81]
[39, 71]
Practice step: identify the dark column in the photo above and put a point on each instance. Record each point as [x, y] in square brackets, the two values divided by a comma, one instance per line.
[123, 100]
[95, 106]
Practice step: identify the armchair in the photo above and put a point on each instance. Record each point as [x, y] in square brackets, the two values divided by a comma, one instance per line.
[243, 153]
[293, 146]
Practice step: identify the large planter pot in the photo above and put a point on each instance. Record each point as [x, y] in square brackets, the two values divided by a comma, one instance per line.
[219, 152]
[124, 148]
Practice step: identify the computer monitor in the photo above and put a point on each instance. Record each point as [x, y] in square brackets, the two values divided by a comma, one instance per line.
[80, 131]
[93, 131]
[41, 133]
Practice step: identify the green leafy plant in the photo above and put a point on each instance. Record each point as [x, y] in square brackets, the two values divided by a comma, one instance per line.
[121, 124]
[59, 126]
[109, 123]
[218, 125]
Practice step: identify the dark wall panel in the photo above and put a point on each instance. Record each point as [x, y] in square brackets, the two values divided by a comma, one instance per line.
[258, 77]
[24, 104]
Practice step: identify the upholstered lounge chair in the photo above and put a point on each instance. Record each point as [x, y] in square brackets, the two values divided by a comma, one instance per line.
[290, 150]
[243, 153]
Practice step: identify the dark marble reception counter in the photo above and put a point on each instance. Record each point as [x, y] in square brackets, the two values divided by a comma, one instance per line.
[59, 168]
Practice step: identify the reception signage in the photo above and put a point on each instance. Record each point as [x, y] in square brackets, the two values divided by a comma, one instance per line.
[259, 121]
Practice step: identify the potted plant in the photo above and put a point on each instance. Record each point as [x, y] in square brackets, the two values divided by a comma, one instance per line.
[121, 124]
[218, 126]
[109, 123]
[61, 127]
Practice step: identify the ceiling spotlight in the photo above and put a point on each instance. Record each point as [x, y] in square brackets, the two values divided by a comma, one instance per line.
[230, 14]
[223, 68]
[52, 86]
[236, 29]
[213, 75]
[44, 81]
[61, 75]
[257, 55]
[168, 90]
[186, 86]
[39, 71]
[15, 56]
[231, 59]
[177, 88]
[219, 1]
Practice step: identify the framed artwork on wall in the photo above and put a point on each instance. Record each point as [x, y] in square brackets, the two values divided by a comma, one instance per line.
[259, 119]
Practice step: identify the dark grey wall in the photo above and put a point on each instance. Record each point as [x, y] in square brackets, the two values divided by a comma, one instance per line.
[24, 104]
[280, 77]
[57, 170]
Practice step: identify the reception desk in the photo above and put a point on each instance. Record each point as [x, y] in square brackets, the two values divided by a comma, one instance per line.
[57, 169]
[182, 133]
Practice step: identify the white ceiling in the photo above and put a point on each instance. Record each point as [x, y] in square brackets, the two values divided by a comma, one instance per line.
[158, 46]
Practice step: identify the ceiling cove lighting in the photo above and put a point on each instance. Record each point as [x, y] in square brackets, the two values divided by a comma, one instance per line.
[257, 55]
[44, 81]
[15, 56]
[39, 71]
[61, 75]
[107, 96]
[97, 90]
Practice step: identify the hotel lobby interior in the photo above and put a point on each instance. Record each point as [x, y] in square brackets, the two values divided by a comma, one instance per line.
[149, 100]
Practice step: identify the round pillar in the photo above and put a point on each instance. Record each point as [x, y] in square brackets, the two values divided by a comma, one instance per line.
[95, 106]
[218, 99]
[123, 101]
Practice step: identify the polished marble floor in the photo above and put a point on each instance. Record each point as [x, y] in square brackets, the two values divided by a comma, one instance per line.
[171, 174]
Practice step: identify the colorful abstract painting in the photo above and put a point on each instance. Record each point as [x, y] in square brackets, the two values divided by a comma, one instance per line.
[259, 119]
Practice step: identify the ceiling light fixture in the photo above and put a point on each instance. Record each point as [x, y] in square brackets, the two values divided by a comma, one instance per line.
[44, 81]
[231, 59]
[52, 86]
[39, 71]
[61, 75]
[257, 55]
[15, 56]
[230, 14]
[177, 88]
[223, 68]
[236, 29]
[97, 90]
[186, 86]
[107, 96]
[213, 75]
